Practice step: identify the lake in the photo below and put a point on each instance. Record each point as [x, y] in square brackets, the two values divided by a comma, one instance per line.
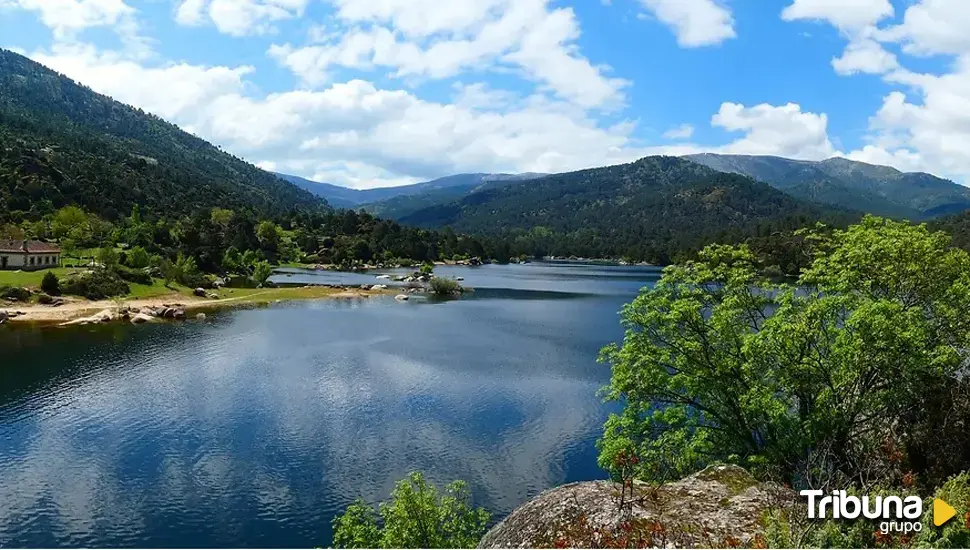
[255, 427]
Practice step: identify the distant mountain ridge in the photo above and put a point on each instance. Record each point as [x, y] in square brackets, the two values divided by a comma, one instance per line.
[647, 209]
[396, 202]
[842, 182]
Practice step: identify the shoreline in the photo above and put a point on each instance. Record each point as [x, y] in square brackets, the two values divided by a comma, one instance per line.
[80, 308]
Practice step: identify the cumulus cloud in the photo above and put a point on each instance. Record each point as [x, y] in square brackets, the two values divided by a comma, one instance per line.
[923, 125]
[417, 39]
[784, 131]
[844, 14]
[238, 17]
[695, 22]
[865, 56]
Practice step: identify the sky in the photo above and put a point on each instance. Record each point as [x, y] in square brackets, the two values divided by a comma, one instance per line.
[373, 93]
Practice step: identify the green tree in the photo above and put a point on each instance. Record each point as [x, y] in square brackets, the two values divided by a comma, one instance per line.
[416, 517]
[50, 284]
[269, 235]
[262, 271]
[806, 383]
[139, 258]
[108, 257]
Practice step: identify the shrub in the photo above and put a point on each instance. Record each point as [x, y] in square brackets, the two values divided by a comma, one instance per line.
[96, 285]
[51, 284]
[427, 268]
[416, 517]
[443, 286]
[139, 276]
[14, 293]
[138, 258]
[803, 383]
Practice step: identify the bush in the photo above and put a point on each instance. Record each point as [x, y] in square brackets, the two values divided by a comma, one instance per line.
[138, 258]
[51, 284]
[443, 286]
[14, 293]
[806, 383]
[427, 268]
[416, 517]
[97, 285]
[139, 276]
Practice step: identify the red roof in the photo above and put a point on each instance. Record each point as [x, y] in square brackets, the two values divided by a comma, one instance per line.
[29, 247]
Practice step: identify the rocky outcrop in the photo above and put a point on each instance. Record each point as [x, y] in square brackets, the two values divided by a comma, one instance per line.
[721, 506]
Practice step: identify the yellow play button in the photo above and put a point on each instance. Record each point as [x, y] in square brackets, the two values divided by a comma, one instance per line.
[942, 512]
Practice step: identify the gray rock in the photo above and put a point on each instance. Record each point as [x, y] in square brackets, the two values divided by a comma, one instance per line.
[141, 318]
[200, 292]
[200, 317]
[721, 506]
[402, 297]
[179, 314]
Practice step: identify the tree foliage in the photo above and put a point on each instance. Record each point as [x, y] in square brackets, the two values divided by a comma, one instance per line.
[417, 516]
[817, 382]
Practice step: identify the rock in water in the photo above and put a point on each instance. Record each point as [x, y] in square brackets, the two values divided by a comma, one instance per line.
[721, 506]
[4, 316]
[402, 297]
[141, 318]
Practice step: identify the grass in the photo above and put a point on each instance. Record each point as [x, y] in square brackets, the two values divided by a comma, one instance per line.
[32, 279]
[156, 289]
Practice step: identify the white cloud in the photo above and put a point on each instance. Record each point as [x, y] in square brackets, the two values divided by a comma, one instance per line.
[784, 131]
[865, 56]
[924, 125]
[695, 22]
[684, 131]
[933, 27]
[417, 39]
[356, 133]
[66, 17]
[844, 14]
[239, 17]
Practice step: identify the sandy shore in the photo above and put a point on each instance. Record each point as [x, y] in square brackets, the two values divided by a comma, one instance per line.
[75, 308]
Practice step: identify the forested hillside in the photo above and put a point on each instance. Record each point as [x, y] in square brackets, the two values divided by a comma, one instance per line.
[842, 182]
[654, 209]
[62, 143]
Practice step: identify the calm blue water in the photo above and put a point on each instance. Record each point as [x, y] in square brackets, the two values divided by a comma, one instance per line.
[256, 427]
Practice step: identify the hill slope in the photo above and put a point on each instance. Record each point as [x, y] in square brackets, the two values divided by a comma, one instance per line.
[62, 143]
[396, 202]
[837, 181]
[644, 209]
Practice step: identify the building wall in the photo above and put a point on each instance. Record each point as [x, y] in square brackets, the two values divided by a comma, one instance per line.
[23, 261]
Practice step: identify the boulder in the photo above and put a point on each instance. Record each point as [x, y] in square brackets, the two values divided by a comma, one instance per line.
[720, 506]
[200, 292]
[200, 317]
[365, 287]
[179, 314]
[402, 297]
[4, 316]
[141, 318]
[379, 287]
[212, 296]
[383, 277]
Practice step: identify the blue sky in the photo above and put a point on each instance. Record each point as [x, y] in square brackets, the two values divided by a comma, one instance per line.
[370, 93]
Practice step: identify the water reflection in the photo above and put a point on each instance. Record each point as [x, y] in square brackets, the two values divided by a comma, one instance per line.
[255, 427]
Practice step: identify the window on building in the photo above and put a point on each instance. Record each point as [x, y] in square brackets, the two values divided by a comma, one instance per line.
[31, 260]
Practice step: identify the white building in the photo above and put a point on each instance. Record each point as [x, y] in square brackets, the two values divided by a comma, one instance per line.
[28, 255]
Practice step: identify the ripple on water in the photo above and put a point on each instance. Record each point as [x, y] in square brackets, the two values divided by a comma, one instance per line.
[258, 426]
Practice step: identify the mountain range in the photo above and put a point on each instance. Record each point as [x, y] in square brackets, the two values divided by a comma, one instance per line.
[842, 182]
[398, 202]
[61, 144]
